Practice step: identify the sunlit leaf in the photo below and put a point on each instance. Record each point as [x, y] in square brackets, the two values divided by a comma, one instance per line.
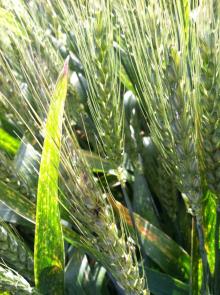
[209, 222]
[49, 247]
[8, 143]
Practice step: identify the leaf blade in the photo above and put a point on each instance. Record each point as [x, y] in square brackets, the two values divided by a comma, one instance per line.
[49, 248]
[8, 143]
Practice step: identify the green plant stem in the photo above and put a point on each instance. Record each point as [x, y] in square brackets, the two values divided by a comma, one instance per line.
[217, 251]
[205, 265]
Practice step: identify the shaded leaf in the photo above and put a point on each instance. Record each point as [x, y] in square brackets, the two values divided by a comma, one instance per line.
[162, 284]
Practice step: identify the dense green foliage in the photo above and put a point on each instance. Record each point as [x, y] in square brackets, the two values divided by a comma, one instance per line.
[110, 147]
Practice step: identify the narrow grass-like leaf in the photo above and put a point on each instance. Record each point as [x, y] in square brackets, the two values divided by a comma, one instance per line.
[160, 283]
[17, 202]
[209, 224]
[8, 143]
[73, 276]
[9, 126]
[49, 247]
[142, 199]
[97, 163]
[82, 278]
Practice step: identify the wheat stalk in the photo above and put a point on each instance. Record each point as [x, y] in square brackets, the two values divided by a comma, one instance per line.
[87, 205]
[93, 31]
[168, 71]
[169, 96]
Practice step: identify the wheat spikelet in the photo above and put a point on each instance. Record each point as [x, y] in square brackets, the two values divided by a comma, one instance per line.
[9, 175]
[93, 32]
[14, 283]
[14, 251]
[92, 214]
[210, 132]
[163, 67]
[166, 191]
[183, 130]
[210, 110]
[6, 85]
[91, 211]
[168, 63]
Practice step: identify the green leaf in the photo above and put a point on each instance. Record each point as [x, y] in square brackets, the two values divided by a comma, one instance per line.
[8, 143]
[49, 246]
[209, 227]
[9, 125]
[26, 209]
[26, 164]
[82, 277]
[171, 258]
[74, 272]
[17, 202]
[97, 163]
[125, 79]
[160, 283]
[142, 199]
